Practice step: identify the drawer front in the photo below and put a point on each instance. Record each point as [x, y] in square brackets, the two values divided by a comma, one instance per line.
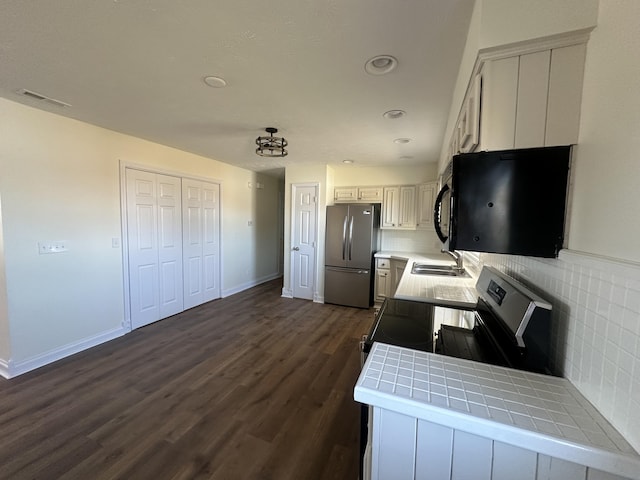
[383, 263]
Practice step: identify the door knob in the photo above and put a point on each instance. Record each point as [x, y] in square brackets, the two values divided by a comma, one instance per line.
[296, 249]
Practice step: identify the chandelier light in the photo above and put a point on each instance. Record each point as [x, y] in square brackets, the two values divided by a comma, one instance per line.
[271, 146]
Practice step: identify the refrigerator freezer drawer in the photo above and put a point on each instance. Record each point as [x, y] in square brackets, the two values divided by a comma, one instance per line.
[352, 287]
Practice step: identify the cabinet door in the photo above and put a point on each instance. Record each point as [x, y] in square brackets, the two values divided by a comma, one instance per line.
[499, 98]
[565, 95]
[383, 284]
[469, 120]
[370, 194]
[426, 199]
[397, 269]
[407, 208]
[533, 85]
[345, 194]
[390, 205]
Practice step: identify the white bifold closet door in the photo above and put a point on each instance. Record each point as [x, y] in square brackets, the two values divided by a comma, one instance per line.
[201, 234]
[154, 233]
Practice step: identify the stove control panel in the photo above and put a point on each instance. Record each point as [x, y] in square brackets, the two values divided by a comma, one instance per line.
[496, 292]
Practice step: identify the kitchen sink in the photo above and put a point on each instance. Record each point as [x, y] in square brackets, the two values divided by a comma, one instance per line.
[442, 270]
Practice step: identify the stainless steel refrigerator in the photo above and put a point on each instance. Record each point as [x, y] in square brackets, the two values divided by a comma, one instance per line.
[351, 241]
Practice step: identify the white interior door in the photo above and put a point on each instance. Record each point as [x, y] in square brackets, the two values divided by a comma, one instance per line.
[303, 239]
[201, 217]
[154, 246]
[170, 245]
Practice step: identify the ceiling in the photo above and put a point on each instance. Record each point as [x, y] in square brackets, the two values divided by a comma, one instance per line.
[138, 67]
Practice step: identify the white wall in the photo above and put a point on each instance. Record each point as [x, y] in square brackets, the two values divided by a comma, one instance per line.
[352, 175]
[5, 343]
[510, 21]
[60, 181]
[606, 211]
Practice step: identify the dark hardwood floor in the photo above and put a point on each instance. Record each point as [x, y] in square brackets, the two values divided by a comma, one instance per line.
[253, 386]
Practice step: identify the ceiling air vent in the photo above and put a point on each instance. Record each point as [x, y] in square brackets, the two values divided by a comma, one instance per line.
[40, 97]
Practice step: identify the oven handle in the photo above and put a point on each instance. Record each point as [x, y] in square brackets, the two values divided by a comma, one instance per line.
[436, 213]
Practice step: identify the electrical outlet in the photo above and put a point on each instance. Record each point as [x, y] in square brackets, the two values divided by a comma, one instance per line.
[52, 247]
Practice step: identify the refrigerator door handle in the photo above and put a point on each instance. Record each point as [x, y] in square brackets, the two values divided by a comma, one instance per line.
[344, 237]
[350, 237]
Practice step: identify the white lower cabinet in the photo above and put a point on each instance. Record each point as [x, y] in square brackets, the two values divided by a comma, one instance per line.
[388, 275]
[383, 279]
[407, 448]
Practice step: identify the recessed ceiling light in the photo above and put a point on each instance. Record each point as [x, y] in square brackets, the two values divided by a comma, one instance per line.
[215, 82]
[348, 162]
[394, 114]
[402, 140]
[406, 157]
[381, 64]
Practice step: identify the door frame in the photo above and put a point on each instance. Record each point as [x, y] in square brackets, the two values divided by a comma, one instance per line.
[124, 242]
[294, 191]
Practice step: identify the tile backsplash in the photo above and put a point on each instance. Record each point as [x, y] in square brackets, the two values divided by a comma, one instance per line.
[421, 241]
[596, 326]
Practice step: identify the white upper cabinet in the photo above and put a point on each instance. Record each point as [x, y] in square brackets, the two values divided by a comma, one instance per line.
[345, 194]
[522, 98]
[426, 200]
[532, 100]
[370, 194]
[399, 208]
[390, 205]
[533, 86]
[565, 94]
[358, 194]
[499, 99]
[407, 208]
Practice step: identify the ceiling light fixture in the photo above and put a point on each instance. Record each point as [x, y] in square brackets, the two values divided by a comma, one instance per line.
[347, 161]
[271, 146]
[215, 82]
[402, 140]
[394, 114]
[381, 64]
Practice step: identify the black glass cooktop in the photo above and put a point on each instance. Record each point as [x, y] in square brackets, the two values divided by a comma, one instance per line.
[403, 323]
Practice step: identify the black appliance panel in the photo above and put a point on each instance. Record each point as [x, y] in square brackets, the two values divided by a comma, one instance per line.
[510, 201]
[403, 323]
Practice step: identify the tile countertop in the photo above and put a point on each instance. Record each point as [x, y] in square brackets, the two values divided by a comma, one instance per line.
[437, 289]
[532, 411]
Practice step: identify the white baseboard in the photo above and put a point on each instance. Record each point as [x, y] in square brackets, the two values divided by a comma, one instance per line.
[318, 298]
[245, 286]
[287, 293]
[12, 369]
[4, 368]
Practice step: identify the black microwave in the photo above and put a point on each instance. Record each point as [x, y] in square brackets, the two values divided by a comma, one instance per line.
[509, 201]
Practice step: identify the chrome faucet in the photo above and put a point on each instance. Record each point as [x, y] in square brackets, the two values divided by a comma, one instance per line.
[457, 257]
